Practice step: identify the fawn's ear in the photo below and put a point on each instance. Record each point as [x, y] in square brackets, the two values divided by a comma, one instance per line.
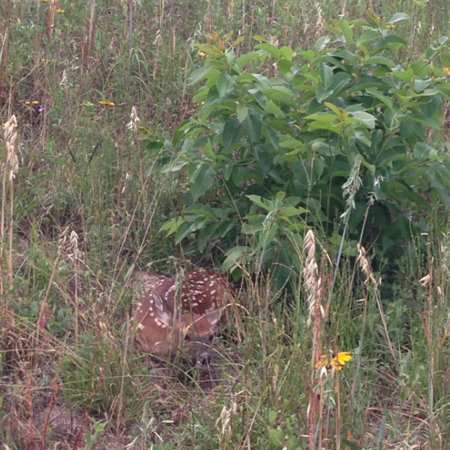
[214, 316]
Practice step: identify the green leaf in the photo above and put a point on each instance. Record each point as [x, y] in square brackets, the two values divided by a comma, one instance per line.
[241, 112]
[201, 73]
[290, 211]
[346, 55]
[281, 94]
[346, 31]
[285, 66]
[269, 48]
[225, 84]
[308, 54]
[420, 85]
[235, 257]
[422, 151]
[253, 126]
[367, 37]
[398, 17]
[379, 60]
[231, 132]
[321, 43]
[245, 59]
[257, 200]
[287, 53]
[339, 82]
[367, 119]
[172, 225]
[420, 118]
[259, 97]
[276, 436]
[326, 75]
[201, 181]
[368, 81]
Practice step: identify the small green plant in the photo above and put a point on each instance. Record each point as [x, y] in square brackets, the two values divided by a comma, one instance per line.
[91, 439]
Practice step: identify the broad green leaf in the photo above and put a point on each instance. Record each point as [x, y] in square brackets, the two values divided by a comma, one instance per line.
[406, 75]
[368, 36]
[368, 81]
[346, 31]
[398, 17]
[272, 108]
[445, 60]
[420, 68]
[228, 170]
[422, 151]
[287, 53]
[201, 181]
[280, 94]
[201, 73]
[225, 84]
[420, 118]
[257, 200]
[269, 48]
[420, 85]
[235, 256]
[336, 110]
[245, 59]
[347, 56]
[339, 82]
[367, 119]
[188, 228]
[291, 211]
[321, 43]
[380, 96]
[258, 37]
[253, 126]
[241, 112]
[308, 54]
[285, 66]
[231, 132]
[379, 60]
[326, 75]
[172, 225]
[259, 97]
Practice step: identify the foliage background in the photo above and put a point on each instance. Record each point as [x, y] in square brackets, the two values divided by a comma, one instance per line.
[83, 212]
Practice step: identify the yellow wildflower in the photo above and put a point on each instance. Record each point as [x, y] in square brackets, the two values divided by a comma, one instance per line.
[201, 54]
[60, 11]
[338, 361]
[107, 103]
[447, 70]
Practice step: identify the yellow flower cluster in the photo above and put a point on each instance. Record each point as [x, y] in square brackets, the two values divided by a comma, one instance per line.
[338, 361]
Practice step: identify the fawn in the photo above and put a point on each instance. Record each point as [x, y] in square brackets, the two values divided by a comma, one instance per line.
[183, 314]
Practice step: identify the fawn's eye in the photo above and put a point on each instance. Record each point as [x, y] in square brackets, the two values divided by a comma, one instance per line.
[210, 338]
[187, 337]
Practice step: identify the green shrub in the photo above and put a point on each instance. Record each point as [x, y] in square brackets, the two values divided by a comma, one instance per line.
[335, 138]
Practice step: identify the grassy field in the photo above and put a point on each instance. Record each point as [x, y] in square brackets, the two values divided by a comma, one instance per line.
[79, 223]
